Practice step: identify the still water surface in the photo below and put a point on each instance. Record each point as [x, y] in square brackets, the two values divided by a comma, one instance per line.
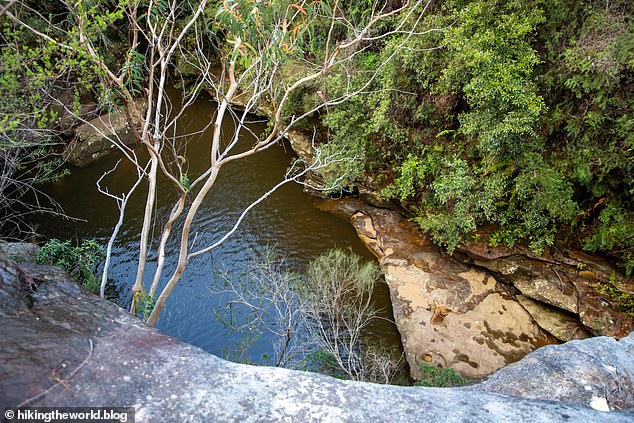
[287, 220]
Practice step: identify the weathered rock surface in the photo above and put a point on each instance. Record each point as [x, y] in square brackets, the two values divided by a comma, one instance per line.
[19, 251]
[83, 351]
[302, 145]
[101, 136]
[66, 109]
[562, 279]
[448, 313]
[597, 371]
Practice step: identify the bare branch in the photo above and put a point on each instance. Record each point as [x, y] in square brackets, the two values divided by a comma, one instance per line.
[122, 202]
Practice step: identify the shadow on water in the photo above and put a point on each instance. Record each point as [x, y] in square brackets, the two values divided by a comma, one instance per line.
[286, 220]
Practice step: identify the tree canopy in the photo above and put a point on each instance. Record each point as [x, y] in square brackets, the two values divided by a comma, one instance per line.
[514, 116]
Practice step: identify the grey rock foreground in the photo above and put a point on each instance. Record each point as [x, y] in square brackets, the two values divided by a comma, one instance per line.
[47, 331]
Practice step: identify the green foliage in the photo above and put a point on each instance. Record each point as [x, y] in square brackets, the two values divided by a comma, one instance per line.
[33, 73]
[513, 114]
[593, 116]
[79, 261]
[439, 377]
[457, 188]
[517, 115]
[324, 362]
[184, 181]
[133, 72]
[614, 233]
[238, 353]
[357, 14]
[342, 272]
[322, 313]
[337, 293]
[317, 320]
[491, 64]
[255, 22]
[146, 304]
[459, 198]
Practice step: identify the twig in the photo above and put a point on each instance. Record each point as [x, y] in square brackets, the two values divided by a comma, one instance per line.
[530, 255]
[7, 7]
[61, 381]
[561, 282]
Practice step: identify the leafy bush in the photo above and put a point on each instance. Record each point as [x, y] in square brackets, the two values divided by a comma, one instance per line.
[79, 261]
[491, 64]
[337, 292]
[614, 234]
[146, 304]
[317, 319]
[516, 114]
[439, 377]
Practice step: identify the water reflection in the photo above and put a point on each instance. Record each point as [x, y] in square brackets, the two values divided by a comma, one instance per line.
[286, 220]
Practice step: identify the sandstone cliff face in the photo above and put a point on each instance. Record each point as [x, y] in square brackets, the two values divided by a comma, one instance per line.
[65, 347]
[560, 281]
[473, 312]
[449, 314]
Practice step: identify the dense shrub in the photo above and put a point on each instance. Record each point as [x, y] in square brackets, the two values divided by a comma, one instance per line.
[516, 115]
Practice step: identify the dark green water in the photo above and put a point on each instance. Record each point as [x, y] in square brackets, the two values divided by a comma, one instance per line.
[287, 220]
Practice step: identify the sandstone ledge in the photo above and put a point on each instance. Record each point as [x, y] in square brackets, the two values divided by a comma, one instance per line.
[102, 135]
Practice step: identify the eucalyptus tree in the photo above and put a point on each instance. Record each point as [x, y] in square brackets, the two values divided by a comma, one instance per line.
[240, 51]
